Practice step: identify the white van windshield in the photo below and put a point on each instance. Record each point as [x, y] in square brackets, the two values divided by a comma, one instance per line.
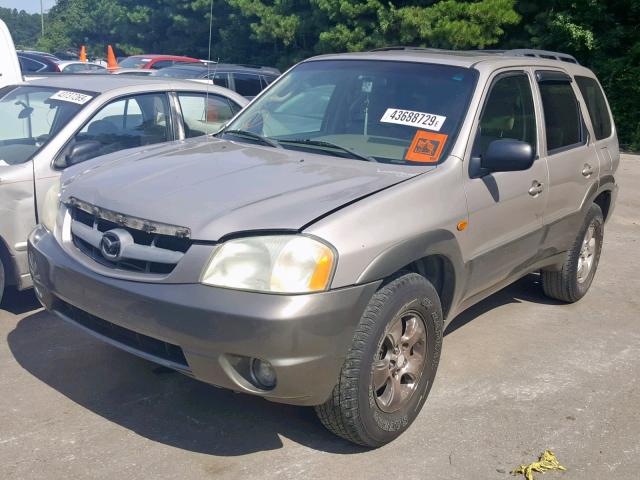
[31, 116]
[384, 111]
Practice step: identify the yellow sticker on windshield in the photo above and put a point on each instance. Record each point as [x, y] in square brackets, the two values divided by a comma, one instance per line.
[426, 147]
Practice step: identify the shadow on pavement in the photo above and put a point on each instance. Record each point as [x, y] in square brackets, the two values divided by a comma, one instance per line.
[527, 289]
[157, 403]
[175, 410]
[18, 303]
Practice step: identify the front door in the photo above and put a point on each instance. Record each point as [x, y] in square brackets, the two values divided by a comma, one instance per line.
[505, 208]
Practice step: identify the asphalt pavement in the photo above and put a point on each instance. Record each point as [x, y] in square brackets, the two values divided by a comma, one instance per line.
[519, 374]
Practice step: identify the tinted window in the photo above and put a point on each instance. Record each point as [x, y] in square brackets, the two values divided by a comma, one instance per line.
[562, 117]
[508, 113]
[28, 65]
[247, 85]
[220, 79]
[127, 123]
[597, 106]
[202, 117]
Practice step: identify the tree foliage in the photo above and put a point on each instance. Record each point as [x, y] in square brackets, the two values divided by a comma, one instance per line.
[25, 28]
[602, 34]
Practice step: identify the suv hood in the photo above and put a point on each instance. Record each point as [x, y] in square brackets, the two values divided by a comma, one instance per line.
[216, 187]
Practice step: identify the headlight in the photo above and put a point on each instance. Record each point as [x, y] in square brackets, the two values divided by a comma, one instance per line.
[278, 264]
[50, 206]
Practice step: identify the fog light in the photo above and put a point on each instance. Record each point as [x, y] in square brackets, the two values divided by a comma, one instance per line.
[263, 373]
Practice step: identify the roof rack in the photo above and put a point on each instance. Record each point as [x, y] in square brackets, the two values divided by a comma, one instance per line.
[549, 55]
[517, 52]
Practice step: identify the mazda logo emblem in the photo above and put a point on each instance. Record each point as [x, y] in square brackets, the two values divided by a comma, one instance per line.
[111, 246]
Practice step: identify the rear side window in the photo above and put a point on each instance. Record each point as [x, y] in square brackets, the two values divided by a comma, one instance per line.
[162, 64]
[508, 113]
[247, 85]
[562, 117]
[30, 66]
[597, 106]
[204, 115]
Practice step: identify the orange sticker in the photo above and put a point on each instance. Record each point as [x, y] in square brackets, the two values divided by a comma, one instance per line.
[426, 147]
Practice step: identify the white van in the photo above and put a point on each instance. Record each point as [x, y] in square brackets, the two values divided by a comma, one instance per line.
[10, 72]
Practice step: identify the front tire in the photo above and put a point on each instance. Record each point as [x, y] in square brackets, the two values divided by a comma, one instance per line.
[391, 365]
[572, 281]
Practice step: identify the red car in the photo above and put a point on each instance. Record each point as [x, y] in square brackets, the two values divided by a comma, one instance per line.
[155, 62]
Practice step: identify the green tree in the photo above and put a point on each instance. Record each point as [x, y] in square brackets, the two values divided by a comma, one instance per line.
[603, 36]
[25, 28]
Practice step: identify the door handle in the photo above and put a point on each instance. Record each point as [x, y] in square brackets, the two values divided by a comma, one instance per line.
[587, 171]
[536, 188]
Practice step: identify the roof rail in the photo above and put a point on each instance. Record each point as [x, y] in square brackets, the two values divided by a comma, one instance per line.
[518, 52]
[404, 47]
[532, 52]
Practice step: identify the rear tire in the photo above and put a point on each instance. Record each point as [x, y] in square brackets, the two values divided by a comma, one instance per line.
[572, 281]
[391, 365]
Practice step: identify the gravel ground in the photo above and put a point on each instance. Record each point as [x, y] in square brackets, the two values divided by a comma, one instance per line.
[519, 374]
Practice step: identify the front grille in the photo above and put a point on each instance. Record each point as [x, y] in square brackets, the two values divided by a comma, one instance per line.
[137, 341]
[146, 237]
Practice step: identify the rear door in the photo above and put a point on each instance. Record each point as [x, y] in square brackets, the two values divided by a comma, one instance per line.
[602, 127]
[505, 208]
[572, 158]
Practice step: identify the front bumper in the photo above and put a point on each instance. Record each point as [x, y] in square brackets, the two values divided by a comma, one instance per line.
[205, 332]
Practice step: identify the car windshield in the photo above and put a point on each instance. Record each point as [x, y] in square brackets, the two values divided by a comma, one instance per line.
[386, 111]
[31, 116]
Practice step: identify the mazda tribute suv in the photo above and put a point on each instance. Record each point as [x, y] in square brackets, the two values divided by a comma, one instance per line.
[313, 251]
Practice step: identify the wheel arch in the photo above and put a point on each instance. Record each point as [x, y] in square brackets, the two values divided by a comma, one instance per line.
[435, 255]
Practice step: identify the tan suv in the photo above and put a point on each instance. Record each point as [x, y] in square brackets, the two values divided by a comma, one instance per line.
[313, 251]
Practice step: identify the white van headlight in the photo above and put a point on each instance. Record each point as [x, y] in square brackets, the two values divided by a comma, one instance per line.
[50, 207]
[275, 263]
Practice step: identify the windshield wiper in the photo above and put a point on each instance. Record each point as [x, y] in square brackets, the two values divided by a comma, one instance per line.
[322, 143]
[253, 136]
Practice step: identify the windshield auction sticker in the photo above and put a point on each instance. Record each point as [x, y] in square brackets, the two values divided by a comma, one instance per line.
[73, 97]
[426, 147]
[410, 118]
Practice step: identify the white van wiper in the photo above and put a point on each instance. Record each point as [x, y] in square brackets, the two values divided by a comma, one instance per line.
[253, 136]
[322, 143]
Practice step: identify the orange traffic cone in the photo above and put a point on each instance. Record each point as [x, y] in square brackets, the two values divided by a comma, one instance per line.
[112, 63]
[83, 53]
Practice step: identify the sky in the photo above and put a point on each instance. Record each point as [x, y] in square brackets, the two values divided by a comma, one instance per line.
[31, 6]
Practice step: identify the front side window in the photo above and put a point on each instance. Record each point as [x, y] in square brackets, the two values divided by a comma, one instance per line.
[203, 115]
[508, 113]
[31, 116]
[220, 79]
[387, 111]
[562, 117]
[127, 123]
[597, 106]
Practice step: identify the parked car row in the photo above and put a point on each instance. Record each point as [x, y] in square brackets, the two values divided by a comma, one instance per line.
[313, 250]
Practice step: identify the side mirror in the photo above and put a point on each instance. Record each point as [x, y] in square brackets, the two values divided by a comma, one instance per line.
[78, 152]
[507, 155]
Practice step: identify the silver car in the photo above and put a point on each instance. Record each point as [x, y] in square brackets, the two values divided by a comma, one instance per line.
[313, 252]
[49, 124]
